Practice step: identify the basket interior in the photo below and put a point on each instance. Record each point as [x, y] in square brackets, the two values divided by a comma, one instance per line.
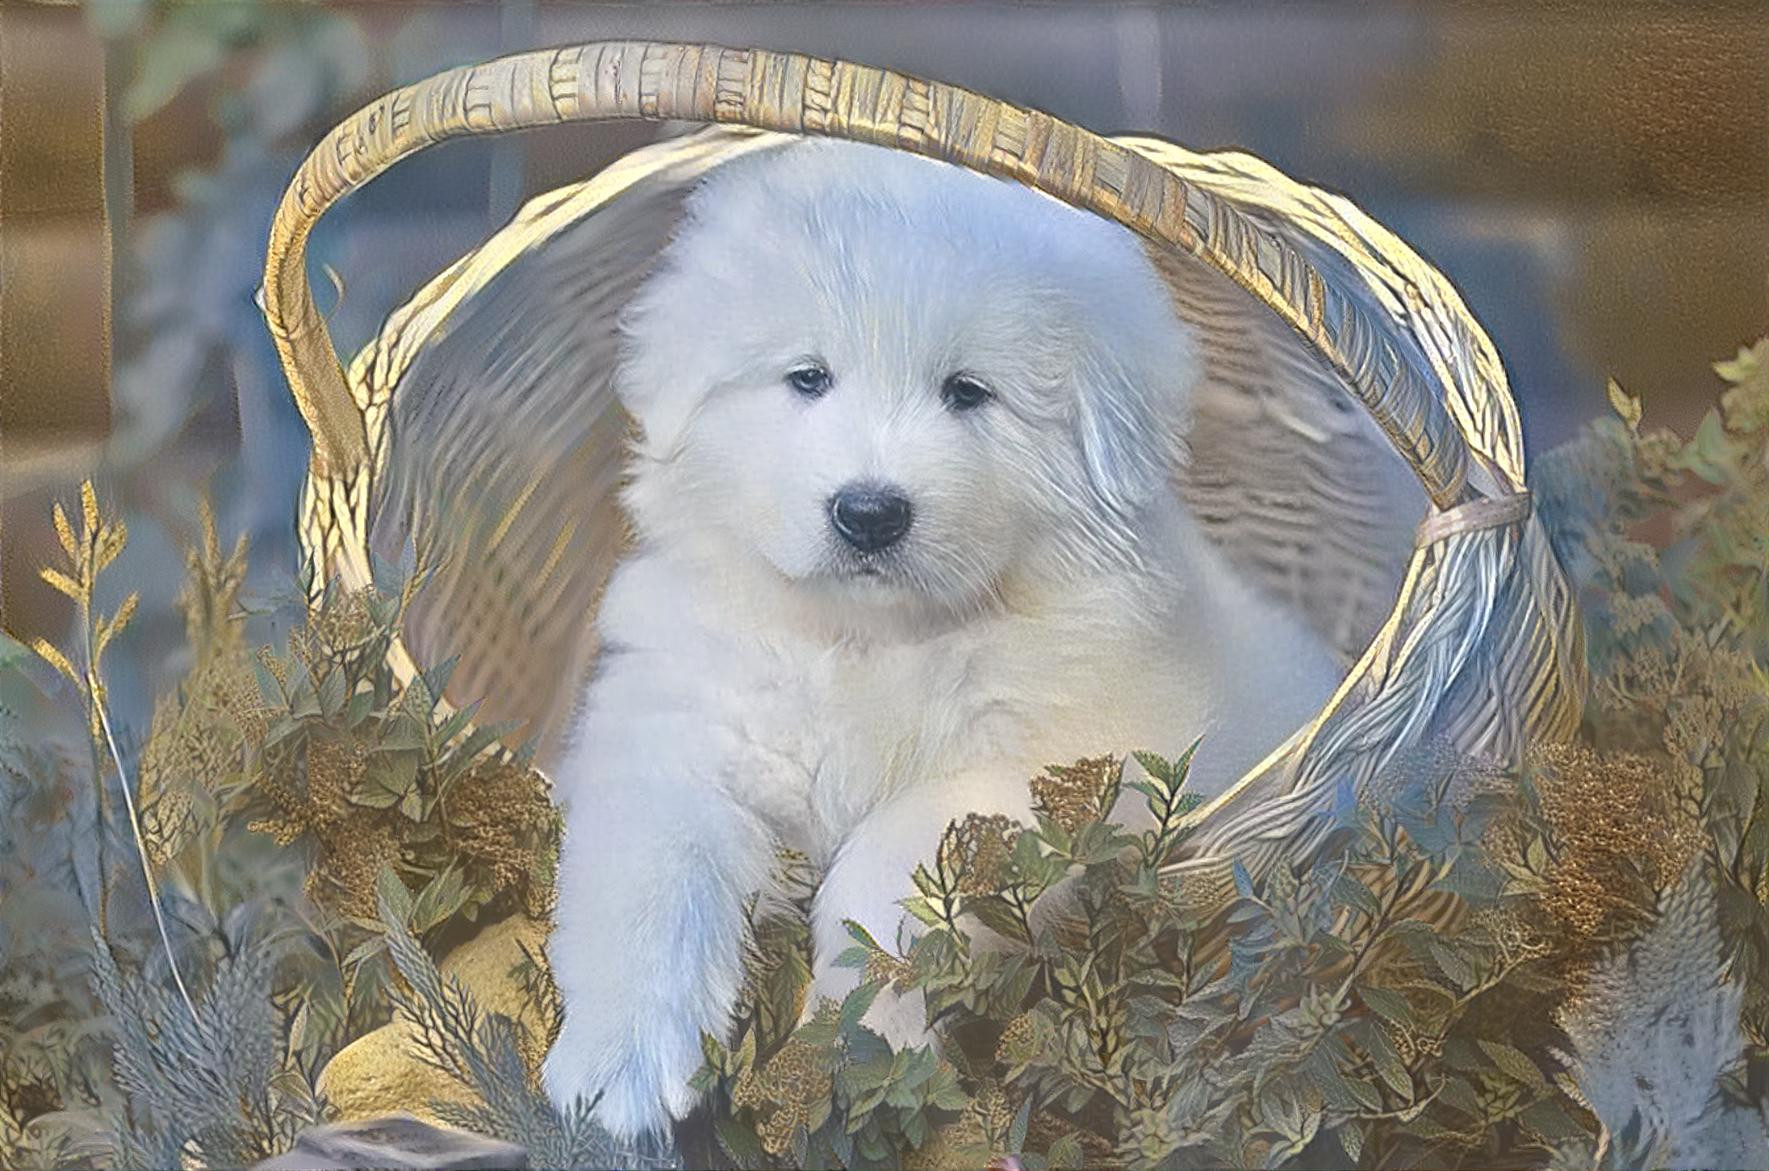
[503, 444]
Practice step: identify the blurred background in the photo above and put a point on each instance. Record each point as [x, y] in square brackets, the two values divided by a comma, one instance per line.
[1592, 174]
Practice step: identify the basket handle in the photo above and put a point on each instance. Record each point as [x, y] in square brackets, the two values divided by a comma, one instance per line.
[805, 95]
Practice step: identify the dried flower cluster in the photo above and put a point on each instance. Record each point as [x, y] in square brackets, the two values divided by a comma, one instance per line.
[1621, 828]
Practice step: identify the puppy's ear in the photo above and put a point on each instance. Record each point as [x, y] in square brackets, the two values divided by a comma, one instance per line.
[668, 362]
[1130, 431]
[662, 368]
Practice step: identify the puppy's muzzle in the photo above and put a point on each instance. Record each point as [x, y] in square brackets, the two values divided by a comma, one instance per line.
[869, 517]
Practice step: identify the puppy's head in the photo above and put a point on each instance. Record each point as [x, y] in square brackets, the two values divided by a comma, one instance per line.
[899, 381]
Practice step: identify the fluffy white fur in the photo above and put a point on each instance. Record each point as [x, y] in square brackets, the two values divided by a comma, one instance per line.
[761, 684]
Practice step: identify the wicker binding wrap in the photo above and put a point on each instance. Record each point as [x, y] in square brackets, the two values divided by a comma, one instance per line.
[1349, 396]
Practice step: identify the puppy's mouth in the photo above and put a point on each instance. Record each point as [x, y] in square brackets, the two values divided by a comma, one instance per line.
[893, 581]
[866, 570]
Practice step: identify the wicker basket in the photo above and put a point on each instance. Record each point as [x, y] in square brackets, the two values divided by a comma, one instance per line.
[1350, 393]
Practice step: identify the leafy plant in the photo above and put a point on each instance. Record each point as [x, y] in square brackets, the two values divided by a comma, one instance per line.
[1117, 1028]
[208, 1020]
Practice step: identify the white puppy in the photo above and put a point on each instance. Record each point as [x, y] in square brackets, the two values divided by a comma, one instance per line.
[906, 533]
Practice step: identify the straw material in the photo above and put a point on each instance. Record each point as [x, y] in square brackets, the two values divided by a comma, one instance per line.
[1305, 307]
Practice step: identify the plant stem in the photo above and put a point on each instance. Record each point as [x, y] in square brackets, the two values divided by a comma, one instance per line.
[147, 871]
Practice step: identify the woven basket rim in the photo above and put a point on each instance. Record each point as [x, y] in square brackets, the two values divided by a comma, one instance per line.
[1121, 179]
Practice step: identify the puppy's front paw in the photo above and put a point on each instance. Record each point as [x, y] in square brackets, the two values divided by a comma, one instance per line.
[636, 1072]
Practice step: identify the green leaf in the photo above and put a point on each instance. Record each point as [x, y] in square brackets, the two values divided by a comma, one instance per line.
[1156, 766]
[1016, 1134]
[1386, 1058]
[386, 779]
[862, 936]
[994, 913]
[1365, 1093]
[469, 750]
[451, 727]
[1351, 1140]
[865, 1081]
[744, 1058]
[1182, 768]
[1453, 965]
[268, 688]
[402, 730]
[855, 1005]
[1067, 1153]
[331, 694]
[1549, 1120]
[1456, 1092]
[1389, 1005]
[436, 679]
[359, 707]
[923, 910]
[1515, 1063]
[366, 950]
[391, 894]
[1535, 856]
[943, 1091]
[1155, 977]
[303, 699]
[1349, 889]
[741, 1143]
[713, 1051]
[441, 897]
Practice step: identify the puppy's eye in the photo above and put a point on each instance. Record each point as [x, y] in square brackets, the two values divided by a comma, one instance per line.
[810, 381]
[961, 392]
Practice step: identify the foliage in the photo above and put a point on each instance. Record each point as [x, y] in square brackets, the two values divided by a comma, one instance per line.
[54, 1056]
[211, 1080]
[1680, 640]
[1669, 540]
[1118, 1027]
[377, 774]
[262, 786]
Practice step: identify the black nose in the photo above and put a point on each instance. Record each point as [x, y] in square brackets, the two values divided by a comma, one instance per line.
[869, 518]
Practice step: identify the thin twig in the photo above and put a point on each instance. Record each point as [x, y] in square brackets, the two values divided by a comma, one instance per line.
[147, 871]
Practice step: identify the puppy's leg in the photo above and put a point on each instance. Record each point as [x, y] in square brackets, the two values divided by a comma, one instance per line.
[656, 864]
[871, 876]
